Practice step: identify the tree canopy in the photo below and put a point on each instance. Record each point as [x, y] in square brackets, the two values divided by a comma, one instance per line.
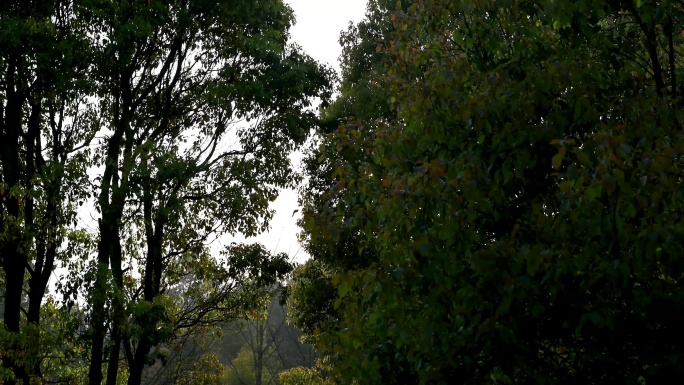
[168, 123]
[522, 206]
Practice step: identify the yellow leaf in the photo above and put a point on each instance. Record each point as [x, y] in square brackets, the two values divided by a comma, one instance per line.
[558, 158]
[338, 171]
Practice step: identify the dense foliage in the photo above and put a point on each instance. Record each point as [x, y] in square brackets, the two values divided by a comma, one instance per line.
[494, 197]
[523, 210]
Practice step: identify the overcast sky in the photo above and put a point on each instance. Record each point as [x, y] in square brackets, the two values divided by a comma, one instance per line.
[319, 23]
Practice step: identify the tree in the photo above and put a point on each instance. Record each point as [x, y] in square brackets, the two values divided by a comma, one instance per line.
[183, 74]
[195, 106]
[525, 206]
[44, 148]
[303, 376]
[362, 98]
[208, 371]
[62, 352]
[337, 250]
[267, 345]
[184, 357]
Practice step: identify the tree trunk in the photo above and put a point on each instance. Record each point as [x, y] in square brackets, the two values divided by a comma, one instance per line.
[113, 366]
[98, 320]
[111, 201]
[137, 365]
[13, 259]
[154, 232]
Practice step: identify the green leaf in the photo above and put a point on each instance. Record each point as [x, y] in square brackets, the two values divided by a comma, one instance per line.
[566, 186]
[343, 289]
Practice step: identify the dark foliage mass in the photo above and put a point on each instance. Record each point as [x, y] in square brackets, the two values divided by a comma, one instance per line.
[500, 198]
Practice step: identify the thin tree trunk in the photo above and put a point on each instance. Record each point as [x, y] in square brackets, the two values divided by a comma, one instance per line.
[113, 365]
[112, 200]
[14, 260]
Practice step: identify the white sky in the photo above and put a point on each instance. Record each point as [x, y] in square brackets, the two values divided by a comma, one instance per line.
[319, 23]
